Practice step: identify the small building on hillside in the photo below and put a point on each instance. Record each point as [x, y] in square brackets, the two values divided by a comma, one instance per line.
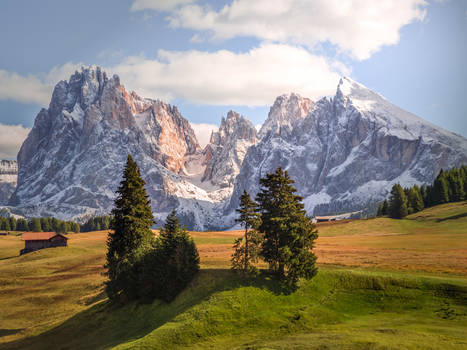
[326, 218]
[40, 240]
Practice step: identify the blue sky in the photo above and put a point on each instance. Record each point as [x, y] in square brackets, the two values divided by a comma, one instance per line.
[207, 57]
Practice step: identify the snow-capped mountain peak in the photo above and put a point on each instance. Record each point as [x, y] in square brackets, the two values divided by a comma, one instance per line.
[343, 152]
[284, 113]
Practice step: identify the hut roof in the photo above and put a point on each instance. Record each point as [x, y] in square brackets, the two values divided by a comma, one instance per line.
[39, 236]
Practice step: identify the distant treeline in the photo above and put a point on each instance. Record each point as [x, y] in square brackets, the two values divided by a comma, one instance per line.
[97, 223]
[38, 225]
[50, 224]
[449, 186]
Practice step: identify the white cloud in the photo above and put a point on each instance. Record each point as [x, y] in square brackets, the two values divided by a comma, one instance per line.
[11, 139]
[33, 88]
[253, 78]
[158, 5]
[203, 132]
[358, 27]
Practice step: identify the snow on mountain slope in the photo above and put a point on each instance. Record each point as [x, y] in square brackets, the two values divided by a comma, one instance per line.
[227, 148]
[8, 179]
[284, 114]
[346, 154]
[72, 161]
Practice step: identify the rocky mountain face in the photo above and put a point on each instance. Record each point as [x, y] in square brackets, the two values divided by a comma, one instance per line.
[227, 148]
[284, 114]
[71, 163]
[344, 153]
[8, 178]
[349, 150]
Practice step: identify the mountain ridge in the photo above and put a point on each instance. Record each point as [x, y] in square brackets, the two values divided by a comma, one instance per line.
[71, 162]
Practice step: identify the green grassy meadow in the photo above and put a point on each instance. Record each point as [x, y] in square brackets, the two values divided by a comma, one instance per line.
[382, 284]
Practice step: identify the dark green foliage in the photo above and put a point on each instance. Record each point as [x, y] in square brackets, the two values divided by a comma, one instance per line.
[96, 223]
[415, 199]
[246, 248]
[289, 234]
[449, 186]
[45, 224]
[425, 191]
[385, 208]
[167, 269]
[440, 192]
[455, 185]
[379, 212]
[22, 225]
[398, 203]
[35, 225]
[12, 222]
[131, 237]
[5, 224]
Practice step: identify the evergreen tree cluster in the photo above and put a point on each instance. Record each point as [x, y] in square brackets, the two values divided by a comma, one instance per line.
[97, 223]
[138, 264]
[168, 268]
[45, 224]
[277, 230]
[449, 186]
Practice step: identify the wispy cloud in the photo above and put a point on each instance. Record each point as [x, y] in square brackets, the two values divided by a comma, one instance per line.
[203, 132]
[358, 27]
[11, 139]
[158, 5]
[253, 78]
[33, 88]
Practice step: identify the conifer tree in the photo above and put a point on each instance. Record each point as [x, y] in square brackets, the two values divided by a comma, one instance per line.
[246, 248]
[456, 185]
[169, 268]
[440, 189]
[35, 225]
[397, 203]
[415, 199]
[5, 224]
[379, 212]
[22, 225]
[12, 221]
[385, 208]
[131, 236]
[289, 234]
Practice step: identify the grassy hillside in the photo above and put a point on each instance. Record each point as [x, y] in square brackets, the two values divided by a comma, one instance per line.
[382, 283]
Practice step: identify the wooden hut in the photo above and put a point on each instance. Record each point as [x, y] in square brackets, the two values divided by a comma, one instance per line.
[40, 240]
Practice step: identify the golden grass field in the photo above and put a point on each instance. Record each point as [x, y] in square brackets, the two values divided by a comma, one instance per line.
[70, 279]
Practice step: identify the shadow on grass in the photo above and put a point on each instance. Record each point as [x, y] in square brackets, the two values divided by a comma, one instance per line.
[453, 217]
[5, 332]
[105, 325]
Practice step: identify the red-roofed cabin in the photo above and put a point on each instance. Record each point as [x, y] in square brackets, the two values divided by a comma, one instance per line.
[40, 240]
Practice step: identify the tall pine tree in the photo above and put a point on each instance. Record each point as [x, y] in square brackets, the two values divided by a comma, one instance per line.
[131, 236]
[289, 234]
[385, 208]
[415, 199]
[397, 203]
[440, 192]
[379, 212]
[246, 248]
